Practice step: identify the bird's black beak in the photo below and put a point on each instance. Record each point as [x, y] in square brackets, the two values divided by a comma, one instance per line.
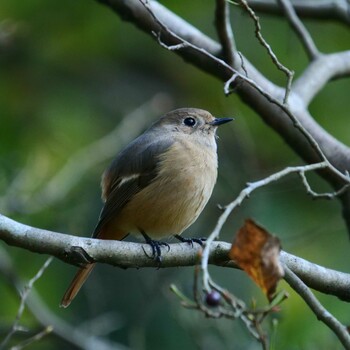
[220, 121]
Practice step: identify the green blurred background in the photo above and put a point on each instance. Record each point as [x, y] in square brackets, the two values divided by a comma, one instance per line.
[70, 72]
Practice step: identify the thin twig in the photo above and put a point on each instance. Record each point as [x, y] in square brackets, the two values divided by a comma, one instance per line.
[327, 195]
[322, 314]
[242, 63]
[169, 47]
[85, 340]
[228, 84]
[238, 307]
[264, 43]
[24, 296]
[224, 30]
[231, 307]
[245, 193]
[217, 312]
[47, 330]
[300, 29]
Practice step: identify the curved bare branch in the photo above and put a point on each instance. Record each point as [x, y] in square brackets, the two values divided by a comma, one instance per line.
[319, 72]
[322, 314]
[337, 10]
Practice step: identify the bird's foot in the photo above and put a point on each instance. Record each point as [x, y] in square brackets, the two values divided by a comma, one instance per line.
[155, 245]
[200, 241]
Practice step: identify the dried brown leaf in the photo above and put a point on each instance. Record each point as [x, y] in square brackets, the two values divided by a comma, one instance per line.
[256, 251]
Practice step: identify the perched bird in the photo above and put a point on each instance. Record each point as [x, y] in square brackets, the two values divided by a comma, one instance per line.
[158, 184]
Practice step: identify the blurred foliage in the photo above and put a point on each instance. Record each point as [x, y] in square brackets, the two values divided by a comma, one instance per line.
[69, 72]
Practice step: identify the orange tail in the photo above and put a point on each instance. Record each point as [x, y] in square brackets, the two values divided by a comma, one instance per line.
[108, 232]
[76, 284]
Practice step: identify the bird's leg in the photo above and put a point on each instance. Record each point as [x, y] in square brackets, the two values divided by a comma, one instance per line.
[191, 240]
[155, 245]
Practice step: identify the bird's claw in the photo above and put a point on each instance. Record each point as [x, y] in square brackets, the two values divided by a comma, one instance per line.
[200, 241]
[155, 246]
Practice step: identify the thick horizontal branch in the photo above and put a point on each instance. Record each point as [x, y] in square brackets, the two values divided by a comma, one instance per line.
[318, 277]
[321, 9]
[79, 251]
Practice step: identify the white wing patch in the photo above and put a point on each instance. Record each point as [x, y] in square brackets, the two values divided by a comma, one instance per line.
[126, 179]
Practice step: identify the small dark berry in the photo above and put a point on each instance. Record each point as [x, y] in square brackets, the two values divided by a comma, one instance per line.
[213, 298]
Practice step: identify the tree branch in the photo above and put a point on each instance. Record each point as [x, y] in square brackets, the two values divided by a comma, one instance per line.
[322, 314]
[318, 277]
[319, 72]
[289, 74]
[299, 29]
[224, 30]
[24, 296]
[79, 251]
[337, 10]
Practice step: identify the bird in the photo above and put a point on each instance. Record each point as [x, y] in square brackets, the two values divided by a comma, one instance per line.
[158, 185]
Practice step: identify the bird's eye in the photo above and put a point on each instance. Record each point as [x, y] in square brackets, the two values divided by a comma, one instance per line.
[190, 121]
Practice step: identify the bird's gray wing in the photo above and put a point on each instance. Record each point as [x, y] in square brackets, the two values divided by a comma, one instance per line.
[132, 170]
